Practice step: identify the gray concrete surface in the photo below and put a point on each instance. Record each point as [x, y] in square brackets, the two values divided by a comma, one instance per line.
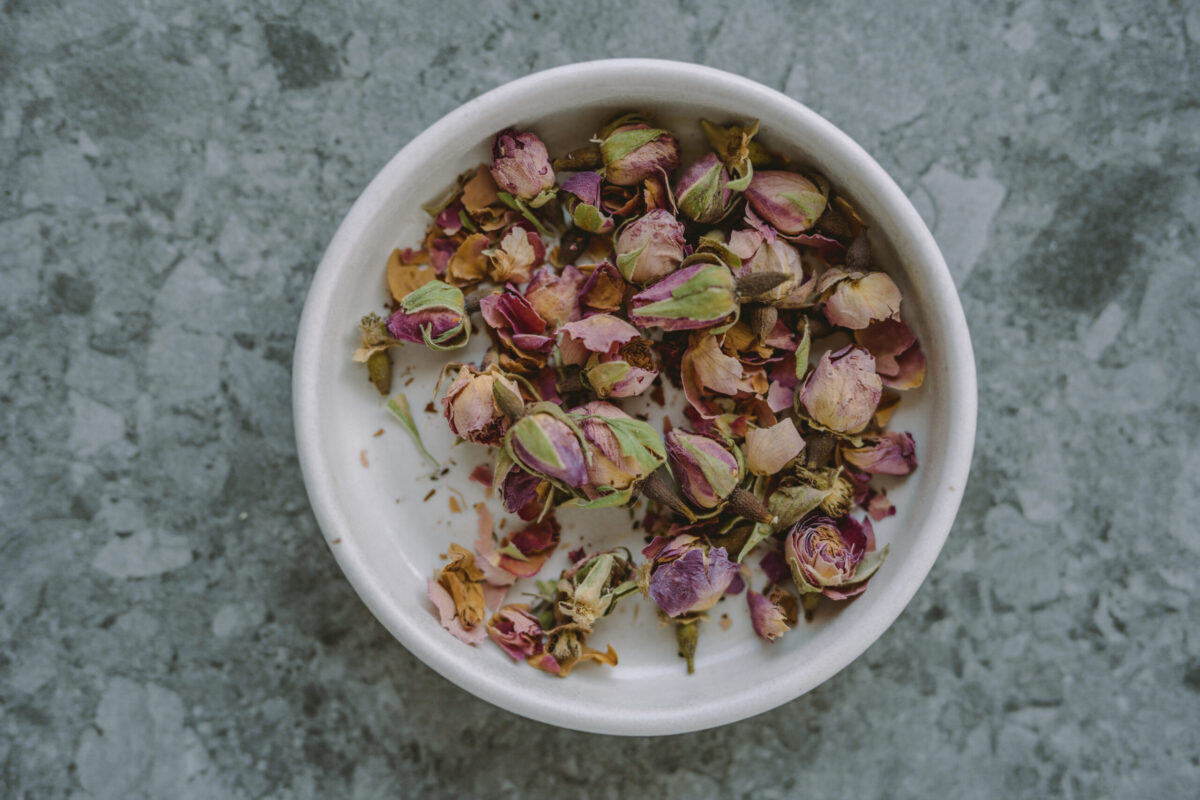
[171, 624]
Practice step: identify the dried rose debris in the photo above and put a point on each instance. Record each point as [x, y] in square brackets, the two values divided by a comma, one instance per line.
[597, 276]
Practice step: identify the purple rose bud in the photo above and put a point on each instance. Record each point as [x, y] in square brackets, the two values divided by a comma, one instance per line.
[545, 443]
[833, 558]
[432, 314]
[685, 576]
[843, 391]
[703, 192]
[706, 470]
[517, 631]
[773, 614]
[787, 201]
[651, 247]
[893, 453]
[584, 202]
[636, 151]
[521, 165]
[470, 405]
[698, 296]
[554, 296]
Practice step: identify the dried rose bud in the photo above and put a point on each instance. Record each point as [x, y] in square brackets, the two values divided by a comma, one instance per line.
[634, 151]
[683, 576]
[854, 300]
[698, 296]
[516, 631]
[546, 443]
[432, 314]
[470, 405]
[703, 192]
[769, 449]
[773, 614]
[707, 470]
[519, 252]
[892, 453]
[616, 361]
[899, 359]
[779, 257]
[833, 558]
[590, 589]
[521, 166]
[842, 391]
[651, 247]
[584, 203]
[624, 450]
[787, 201]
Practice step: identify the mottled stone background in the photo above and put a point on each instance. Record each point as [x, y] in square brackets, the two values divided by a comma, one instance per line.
[171, 624]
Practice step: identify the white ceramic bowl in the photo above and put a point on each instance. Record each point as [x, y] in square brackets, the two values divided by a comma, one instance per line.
[387, 540]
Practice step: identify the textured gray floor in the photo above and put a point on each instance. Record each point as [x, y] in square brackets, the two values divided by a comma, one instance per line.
[171, 624]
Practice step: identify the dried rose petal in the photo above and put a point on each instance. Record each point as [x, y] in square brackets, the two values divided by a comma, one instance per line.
[769, 449]
[523, 552]
[460, 583]
[891, 453]
[519, 252]
[516, 631]
[773, 614]
[555, 296]
[857, 300]
[899, 359]
[583, 201]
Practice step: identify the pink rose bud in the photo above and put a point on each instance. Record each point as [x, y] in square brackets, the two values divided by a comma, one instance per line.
[545, 443]
[832, 558]
[650, 247]
[787, 201]
[707, 470]
[698, 296]
[703, 192]
[616, 360]
[521, 165]
[432, 314]
[470, 405]
[843, 391]
[624, 450]
[635, 151]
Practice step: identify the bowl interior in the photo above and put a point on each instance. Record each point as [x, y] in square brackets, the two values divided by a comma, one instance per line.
[371, 493]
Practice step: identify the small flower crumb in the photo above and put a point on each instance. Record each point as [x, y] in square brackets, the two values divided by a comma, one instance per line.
[503, 522]
[454, 506]
[432, 492]
[409, 381]
[725, 622]
[378, 433]
[337, 540]
[362, 456]
[442, 556]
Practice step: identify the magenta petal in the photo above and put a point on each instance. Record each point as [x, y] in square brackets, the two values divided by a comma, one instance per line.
[600, 333]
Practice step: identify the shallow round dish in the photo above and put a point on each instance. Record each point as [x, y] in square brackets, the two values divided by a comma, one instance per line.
[367, 491]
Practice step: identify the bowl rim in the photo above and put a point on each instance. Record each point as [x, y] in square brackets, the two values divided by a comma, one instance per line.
[949, 319]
